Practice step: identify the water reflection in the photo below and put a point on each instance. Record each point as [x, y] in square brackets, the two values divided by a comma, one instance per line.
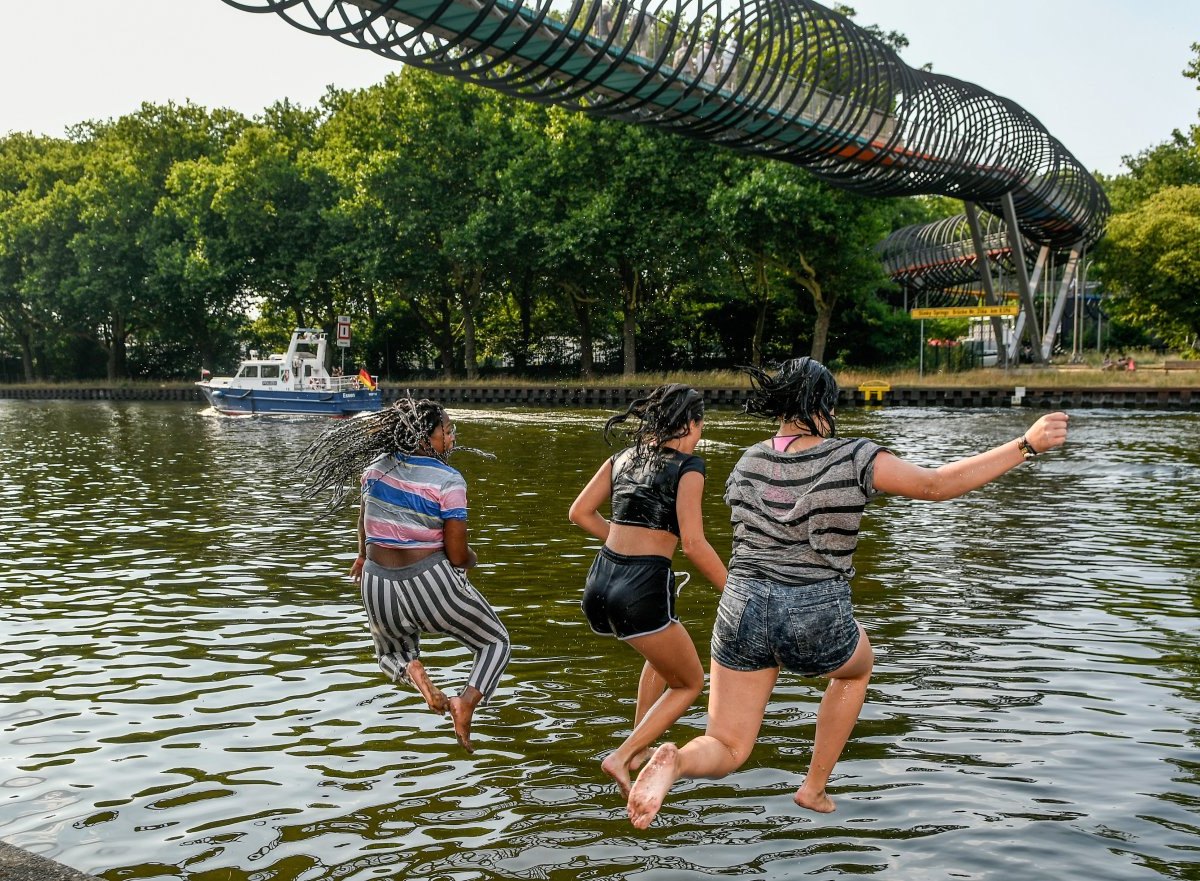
[188, 690]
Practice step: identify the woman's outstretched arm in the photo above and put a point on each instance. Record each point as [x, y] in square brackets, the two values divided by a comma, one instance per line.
[902, 478]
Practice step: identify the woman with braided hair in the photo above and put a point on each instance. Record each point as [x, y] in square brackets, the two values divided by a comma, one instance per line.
[655, 487]
[796, 502]
[412, 547]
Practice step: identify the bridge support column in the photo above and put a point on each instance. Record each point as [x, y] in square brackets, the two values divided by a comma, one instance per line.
[1060, 301]
[985, 277]
[1029, 311]
[1039, 266]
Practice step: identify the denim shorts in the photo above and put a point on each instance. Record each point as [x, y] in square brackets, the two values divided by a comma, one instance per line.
[807, 629]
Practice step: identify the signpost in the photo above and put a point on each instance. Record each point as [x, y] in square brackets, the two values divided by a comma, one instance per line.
[343, 337]
[993, 312]
[966, 312]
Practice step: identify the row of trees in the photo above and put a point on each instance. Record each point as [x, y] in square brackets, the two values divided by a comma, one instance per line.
[466, 232]
[1150, 257]
[460, 229]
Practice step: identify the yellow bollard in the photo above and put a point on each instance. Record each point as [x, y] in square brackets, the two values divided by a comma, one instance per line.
[874, 390]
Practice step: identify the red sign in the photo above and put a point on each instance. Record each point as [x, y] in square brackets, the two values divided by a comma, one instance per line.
[343, 330]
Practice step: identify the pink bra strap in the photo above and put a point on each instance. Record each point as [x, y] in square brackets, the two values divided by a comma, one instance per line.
[787, 442]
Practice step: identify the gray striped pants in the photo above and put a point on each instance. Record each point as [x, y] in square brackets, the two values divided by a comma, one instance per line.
[434, 597]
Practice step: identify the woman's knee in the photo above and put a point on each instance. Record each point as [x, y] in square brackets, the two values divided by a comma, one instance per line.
[684, 675]
[688, 676]
[721, 755]
[690, 687]
[501, 650]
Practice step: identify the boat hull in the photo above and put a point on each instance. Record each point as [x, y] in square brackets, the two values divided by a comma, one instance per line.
[286, 402]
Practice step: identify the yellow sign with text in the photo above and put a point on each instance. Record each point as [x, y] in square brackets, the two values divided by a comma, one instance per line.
[966, 312]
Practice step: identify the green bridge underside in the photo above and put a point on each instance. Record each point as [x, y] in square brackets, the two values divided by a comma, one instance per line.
[546, 49]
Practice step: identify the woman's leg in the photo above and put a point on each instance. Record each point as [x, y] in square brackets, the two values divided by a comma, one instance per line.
[481, 630]
[839, 711]
[736, 704]
[672, 659]
[650, 688]
[397, 640]
[448, 603]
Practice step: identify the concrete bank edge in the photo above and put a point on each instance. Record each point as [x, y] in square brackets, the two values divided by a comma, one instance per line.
[612, 397]
[21, 865]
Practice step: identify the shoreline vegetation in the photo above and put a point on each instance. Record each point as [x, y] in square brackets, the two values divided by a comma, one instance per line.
[1150, 373]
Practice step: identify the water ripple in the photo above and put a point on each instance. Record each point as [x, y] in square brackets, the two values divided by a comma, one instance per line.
[188, 690]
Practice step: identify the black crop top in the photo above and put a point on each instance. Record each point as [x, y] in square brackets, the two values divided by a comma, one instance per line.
[643, 492]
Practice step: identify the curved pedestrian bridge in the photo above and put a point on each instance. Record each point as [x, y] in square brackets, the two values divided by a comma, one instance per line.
[788, 79]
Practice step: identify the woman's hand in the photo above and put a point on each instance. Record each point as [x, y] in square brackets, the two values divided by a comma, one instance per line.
[356, 568]
[1048, 432]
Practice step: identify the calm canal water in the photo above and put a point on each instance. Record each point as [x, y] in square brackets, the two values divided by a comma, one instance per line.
[187, 689]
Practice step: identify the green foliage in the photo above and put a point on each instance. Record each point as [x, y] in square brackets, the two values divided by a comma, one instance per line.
[462, 232]
[1153, 265]
[1173, 163]
[1148, 260]
[792, 239]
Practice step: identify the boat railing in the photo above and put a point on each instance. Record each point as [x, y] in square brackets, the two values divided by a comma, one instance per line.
[338, 383]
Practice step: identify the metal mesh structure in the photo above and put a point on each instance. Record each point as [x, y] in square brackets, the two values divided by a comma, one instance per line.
[940, 257]
[788, 79]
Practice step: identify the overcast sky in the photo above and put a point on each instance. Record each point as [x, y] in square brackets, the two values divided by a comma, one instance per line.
[1102, 75]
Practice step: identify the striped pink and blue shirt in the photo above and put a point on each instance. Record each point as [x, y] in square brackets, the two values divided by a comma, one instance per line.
[406, 498]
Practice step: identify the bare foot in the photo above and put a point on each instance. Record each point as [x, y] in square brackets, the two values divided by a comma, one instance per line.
[640, 759]
[618, 771]
[819, 801]
[460, 713]
[434, 697]
[652, 786]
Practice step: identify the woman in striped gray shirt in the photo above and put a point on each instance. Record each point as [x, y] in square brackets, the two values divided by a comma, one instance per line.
[796, 501]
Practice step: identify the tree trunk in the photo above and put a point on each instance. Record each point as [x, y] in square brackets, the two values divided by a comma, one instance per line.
[27, 356]
[587, 346]
[630, 279]
[525, 312]
[760, 323]
[446, 346]
[629, 341]
[468, 297]
[116, 349]
[821, 330]
[806, 278]
[582, 307]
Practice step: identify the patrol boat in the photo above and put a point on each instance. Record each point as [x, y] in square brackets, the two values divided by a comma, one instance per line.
[295, 382]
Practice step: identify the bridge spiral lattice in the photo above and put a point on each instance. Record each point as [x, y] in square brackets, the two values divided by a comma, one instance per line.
[939, 259]
[788, 79]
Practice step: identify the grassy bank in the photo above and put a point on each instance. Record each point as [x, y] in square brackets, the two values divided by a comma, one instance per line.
[1150, 374]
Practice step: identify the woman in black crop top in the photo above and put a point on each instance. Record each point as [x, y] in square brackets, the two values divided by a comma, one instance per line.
[655, 486]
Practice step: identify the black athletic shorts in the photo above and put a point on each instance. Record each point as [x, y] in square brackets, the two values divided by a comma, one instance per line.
[629, 596]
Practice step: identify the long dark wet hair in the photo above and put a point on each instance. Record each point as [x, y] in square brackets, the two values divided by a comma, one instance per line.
[801, 390]
[334, 461]
[666, 414]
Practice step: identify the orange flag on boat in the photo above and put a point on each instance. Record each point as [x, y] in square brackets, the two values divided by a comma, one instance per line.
[365, 379]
